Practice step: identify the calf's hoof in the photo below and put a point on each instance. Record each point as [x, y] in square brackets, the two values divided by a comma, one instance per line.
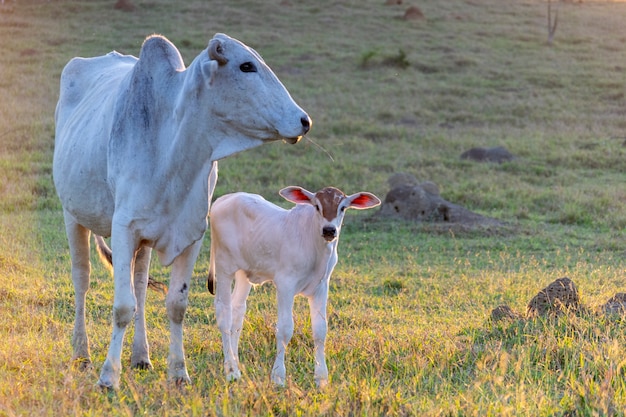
[233, 375]
[321, 382]
[107, 386]
[278, 380]
[109, 377]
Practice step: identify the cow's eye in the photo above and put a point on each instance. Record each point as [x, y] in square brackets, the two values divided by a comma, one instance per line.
[247, 67]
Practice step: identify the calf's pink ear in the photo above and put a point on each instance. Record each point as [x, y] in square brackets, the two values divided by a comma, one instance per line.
[297, 195]
[363, 200]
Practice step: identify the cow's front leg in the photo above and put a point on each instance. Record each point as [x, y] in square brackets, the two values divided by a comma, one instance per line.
[176, 304]
[124, 304]
[284, 333]
[140, 358]
[317, 306]
[78, 238]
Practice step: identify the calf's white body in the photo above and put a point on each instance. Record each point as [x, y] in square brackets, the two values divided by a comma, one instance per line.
[254, 241]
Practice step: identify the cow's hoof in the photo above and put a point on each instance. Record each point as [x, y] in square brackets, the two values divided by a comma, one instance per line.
[181, 382]
[144, 365]
[82, 364]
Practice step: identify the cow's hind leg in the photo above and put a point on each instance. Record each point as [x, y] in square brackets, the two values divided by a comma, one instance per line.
[78, 238]
[140, 358]
[176, 304]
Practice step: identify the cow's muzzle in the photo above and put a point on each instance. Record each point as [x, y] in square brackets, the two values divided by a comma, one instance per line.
[306, 123]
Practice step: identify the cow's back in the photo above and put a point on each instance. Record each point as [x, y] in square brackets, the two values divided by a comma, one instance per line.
[84, 114]
[90, 80]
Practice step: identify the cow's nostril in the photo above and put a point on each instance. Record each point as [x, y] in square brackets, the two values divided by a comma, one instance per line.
[306, 124]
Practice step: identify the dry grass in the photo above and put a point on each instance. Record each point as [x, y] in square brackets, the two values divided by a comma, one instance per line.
[409, 304]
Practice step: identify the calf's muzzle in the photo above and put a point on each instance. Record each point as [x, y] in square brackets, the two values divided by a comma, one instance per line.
[329, 233]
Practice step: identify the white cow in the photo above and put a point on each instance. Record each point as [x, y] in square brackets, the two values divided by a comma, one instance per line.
[254, 241]
[137, 142]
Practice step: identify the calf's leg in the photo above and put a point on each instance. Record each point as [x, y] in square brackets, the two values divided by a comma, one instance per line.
[317, 306]
[224, 318]
[284, 333]
[238, 308]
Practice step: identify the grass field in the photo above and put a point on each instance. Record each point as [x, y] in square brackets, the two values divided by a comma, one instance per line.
[409, 328]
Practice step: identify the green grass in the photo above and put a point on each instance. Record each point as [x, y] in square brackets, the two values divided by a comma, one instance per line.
[409, 303]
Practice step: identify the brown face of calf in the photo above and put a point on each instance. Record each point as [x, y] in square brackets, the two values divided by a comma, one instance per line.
[331, 203]
[328, 202]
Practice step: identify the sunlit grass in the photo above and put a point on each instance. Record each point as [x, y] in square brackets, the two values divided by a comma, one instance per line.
[409, 304]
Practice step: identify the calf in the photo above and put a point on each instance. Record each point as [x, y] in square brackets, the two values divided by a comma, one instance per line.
[254, 241]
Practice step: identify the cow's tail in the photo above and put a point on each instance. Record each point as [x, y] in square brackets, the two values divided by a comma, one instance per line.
[210, 282]
[106, 255]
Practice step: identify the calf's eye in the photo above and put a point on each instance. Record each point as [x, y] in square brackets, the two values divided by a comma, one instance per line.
[247, 67]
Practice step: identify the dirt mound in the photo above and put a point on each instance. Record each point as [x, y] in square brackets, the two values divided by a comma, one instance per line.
[124, 5]
[411, 200]
[497, 154]
[559, 297]
[616, 305]
[413, 13]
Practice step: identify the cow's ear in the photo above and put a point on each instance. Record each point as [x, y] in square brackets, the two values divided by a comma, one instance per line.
[209, 68]
[216, 50]
[363, 200]
[297, 195]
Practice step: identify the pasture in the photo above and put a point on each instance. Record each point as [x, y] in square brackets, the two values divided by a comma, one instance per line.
[409, 303]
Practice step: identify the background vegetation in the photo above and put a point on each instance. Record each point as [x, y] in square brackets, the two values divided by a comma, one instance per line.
[409, 305]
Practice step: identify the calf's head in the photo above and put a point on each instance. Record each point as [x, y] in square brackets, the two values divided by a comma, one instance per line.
[330, 204]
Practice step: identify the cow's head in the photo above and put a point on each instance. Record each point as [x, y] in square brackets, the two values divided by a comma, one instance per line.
[330, 204]
[252, 100]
